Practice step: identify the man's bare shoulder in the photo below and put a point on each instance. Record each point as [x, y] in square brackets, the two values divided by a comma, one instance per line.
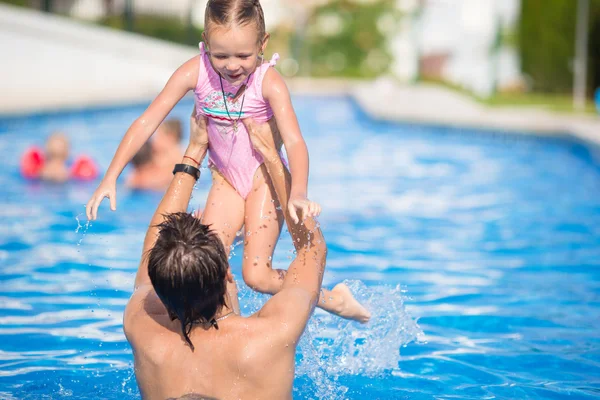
[288, 311]
[144, 313]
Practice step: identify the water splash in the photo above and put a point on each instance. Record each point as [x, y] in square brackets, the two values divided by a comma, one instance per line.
[333, 347]
[84, 228]
[232, 248]
[62, 392]
[126, 385]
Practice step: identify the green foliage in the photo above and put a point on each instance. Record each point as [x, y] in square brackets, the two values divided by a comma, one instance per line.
[171, 29]
[174, 30]
[343, 39]
[547, 42]
[546, 38]
[594, 47]
[22, 3]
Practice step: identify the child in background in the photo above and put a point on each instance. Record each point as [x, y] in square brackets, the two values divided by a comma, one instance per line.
[232, 82]
[55, 167]
[52, 164]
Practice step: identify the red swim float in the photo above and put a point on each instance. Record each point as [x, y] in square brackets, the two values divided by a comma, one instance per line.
[32, 162]
[84, 169]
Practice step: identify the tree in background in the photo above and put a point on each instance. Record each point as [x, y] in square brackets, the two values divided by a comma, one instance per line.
[547, 43]
[345, 38]
[594, 48]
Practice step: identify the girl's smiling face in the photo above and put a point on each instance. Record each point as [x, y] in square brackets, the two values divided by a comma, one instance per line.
[234, 51]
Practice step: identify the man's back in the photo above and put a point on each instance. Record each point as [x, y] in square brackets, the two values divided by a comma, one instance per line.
[246, 358]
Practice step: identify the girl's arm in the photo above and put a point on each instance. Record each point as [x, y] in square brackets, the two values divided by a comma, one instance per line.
[182, 80]
[276, 93]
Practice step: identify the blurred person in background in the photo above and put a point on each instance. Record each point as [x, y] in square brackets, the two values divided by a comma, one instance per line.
[153, 162]
[55, 168]
[52, 164]
[166, 145]
[144, 173]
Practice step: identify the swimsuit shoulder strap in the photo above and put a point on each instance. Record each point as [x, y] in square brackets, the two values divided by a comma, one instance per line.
[274, 59]
[206, 73]
[262, 70]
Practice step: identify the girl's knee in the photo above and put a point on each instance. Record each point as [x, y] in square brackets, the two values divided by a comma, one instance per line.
[257, 275]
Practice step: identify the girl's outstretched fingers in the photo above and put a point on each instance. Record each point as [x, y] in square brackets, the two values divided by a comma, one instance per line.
[104, 190]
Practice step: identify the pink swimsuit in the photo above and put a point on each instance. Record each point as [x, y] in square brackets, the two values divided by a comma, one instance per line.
[229, 151]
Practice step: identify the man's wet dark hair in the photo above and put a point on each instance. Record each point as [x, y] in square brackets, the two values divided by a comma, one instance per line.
[188, 269]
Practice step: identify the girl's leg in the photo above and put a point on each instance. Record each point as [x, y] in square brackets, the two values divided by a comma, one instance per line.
[263, 222]
[224, 212]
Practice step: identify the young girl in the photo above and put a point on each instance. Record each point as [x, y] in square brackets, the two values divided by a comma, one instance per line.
[231, 82]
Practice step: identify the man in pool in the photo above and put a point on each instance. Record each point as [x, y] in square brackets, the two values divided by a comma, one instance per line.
[186, 340]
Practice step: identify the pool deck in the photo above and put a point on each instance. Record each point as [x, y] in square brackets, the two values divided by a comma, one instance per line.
[429, 104]
[52, 63]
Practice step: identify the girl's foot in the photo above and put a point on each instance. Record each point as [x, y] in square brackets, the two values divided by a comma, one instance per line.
[348, 306]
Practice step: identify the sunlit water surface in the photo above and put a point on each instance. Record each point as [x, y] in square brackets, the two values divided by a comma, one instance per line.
[478, 255]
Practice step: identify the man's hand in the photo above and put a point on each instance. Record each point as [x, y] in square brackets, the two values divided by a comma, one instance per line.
[265, 137]
[266, 140]
[198, 130]
[198, 145]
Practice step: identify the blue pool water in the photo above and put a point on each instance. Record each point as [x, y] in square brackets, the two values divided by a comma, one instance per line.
[479, 256]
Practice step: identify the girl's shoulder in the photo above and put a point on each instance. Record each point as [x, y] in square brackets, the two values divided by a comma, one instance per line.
[273, 85]
[268, 76]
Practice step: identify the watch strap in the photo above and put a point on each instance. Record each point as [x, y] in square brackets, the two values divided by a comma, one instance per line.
[188, 169]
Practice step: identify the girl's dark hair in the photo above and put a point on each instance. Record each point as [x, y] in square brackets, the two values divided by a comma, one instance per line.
[188, 268]
[241, 12]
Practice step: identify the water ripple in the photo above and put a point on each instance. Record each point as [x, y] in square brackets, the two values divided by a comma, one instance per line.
[495, 240]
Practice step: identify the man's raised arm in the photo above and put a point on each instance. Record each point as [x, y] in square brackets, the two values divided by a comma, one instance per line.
[177, 197]
[302, 284]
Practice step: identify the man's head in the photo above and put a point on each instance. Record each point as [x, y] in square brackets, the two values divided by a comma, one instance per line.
[188, 268]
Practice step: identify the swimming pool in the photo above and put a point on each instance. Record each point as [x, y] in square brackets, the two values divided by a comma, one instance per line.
[491, 241]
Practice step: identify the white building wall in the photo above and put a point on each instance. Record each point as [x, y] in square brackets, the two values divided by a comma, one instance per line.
[465, 31]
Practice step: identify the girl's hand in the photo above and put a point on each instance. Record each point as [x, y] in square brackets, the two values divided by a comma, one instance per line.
[105, 189]
[301, 208]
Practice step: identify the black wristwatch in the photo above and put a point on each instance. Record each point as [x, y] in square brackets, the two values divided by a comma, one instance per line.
[188, 169]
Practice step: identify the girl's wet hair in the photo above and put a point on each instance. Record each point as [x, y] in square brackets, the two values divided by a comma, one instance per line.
[240, 12]
[188, 268]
